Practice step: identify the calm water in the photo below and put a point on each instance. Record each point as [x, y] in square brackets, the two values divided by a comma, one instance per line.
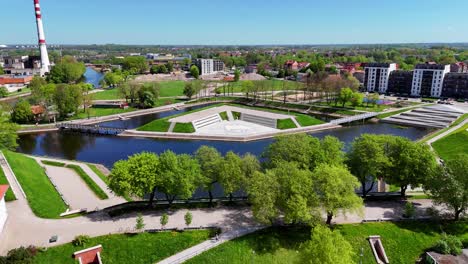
[93, 77]
[109, 149]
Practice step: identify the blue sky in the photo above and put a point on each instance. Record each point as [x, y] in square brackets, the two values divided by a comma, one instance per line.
[236, 21]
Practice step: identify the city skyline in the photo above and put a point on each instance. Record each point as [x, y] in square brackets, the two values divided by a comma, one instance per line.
[238, 23]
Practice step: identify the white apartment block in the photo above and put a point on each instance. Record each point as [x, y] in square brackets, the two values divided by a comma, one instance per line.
[428, 79]
[376, 76]
[209, 66]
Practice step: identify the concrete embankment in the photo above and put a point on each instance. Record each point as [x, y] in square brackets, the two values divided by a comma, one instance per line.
[186, 136]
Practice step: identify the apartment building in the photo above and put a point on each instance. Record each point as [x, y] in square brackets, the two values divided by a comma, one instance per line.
[428, 79]
[400, 82]
[455, 86]
[376, 76]
[209, 66]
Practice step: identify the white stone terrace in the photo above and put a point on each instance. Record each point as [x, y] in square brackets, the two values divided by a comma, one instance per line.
[226, 108]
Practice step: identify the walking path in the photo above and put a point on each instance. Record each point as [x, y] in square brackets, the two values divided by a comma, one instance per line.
[207, 245]
[446, 133]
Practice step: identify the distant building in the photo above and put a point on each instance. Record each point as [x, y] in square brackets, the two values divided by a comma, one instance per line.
[3, 209]
[428, 79]
[400, 82]
[376, 76]
[13, 83]
[251, 68]
[209, 66]
[291, 65]
[22, 65]
[359, 75]
[302, 65]
[455, 85]
[460, 67]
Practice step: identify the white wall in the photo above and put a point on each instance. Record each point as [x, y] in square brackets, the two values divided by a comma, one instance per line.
[3, 214]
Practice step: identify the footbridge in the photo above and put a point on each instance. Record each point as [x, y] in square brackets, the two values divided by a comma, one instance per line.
[350, 119]
[91, 129]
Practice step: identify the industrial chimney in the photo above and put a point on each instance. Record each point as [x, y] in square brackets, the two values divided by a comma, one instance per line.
[45, 64]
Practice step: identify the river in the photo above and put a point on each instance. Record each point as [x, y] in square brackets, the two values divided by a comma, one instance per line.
[93, 77]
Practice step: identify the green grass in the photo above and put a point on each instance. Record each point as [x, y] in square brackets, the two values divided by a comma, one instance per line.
[285, 124]
[183, 128]
[275, 85]
[167, 89]
[87, 179]
[349, 106]
[43, 198]
[99, 173]
[224, 115]
[452, 145]
[96, 112]
[141, 248]
[53, 163]
[236, 115]
[23, 91]
[306, 120]
[385, 115]
[9, 196]
[163, 124]
[458, 121]
[404, 242]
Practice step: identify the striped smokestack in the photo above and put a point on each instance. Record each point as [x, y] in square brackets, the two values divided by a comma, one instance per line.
[45, 64]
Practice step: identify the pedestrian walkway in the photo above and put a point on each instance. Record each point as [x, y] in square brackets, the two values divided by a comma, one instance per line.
[207, 245]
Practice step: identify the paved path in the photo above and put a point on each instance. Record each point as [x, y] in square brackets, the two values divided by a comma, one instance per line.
[207, 245]
[446, 133]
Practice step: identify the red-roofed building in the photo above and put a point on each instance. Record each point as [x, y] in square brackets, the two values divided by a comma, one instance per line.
[89, 256]
[291, 65]
[302, 65]
[3, 209]
[13, 84]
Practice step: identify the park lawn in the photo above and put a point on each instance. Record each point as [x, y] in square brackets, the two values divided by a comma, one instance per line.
[404, 242]
[450, 146]
[224, 115]
[140, 248]
[163, 124]
[97, 112]
[285, 124]
[9, 196]
[23, 91]
[275, 85]
[43, 198]
[458, 121]
[349, 106]
[307, 120]
[53, 163]
[99, 173]
[167, 89]
[89, 182]
[183, 128]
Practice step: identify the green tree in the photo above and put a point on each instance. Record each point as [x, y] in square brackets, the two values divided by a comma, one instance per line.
[247, 87]
[1, 70]
[22, 113]
[67, 71]
[231, 175]
[8, 135]
[36, 83]
[170, 67]
[189, 90]
[345, 96]
[135, 64]
[285, 191]
[450, 185]
[237, 74]
[411, 163]
[210, 161]
[148, 94]
[140, 222]
[188, 218]
[179, 175]
[68, 98]
[3, 91]
[136, 176]
[367, 160]
[194, 71]
[163, 220]
[112, 79]
[357, 99]
[250, 165]
[336, 186]
[327, 247]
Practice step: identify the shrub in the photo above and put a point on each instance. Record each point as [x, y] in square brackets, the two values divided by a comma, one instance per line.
[410, 211]
[81, 240]
[21, 255]
[449, 245]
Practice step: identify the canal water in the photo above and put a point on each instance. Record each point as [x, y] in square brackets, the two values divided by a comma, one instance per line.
[93, 77]
[109, 149]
